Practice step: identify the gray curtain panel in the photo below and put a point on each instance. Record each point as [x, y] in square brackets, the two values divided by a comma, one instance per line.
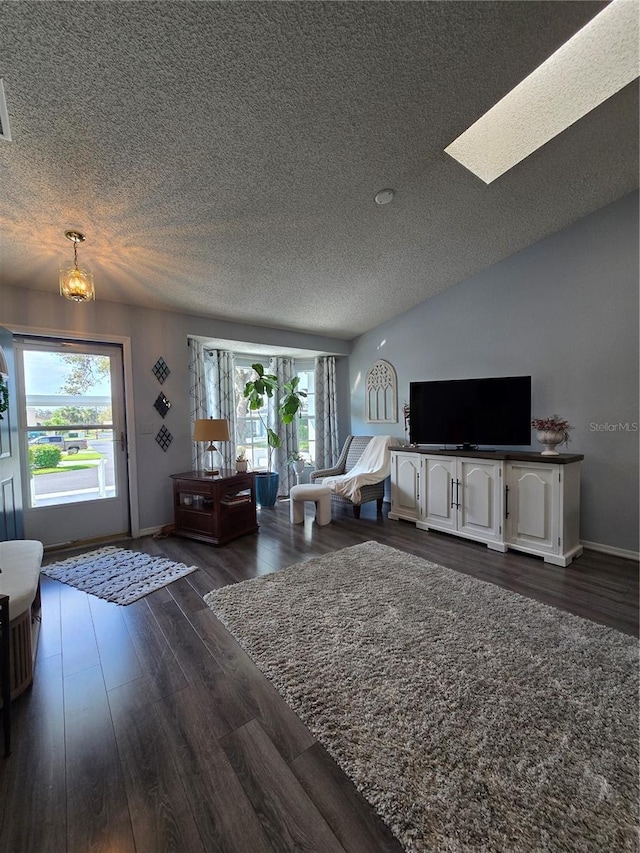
[221, 387]
[327, 447]
[197, 397]
[211, 395]
[284, 369]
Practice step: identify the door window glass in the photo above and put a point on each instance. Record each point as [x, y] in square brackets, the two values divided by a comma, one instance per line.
[67, 426]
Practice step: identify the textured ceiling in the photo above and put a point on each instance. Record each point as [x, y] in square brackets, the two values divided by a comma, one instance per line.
[222, 158]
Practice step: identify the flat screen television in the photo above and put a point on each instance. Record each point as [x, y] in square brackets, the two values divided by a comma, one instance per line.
[471, 412]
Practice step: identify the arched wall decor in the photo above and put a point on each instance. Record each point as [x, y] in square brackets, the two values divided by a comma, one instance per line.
[381, 392]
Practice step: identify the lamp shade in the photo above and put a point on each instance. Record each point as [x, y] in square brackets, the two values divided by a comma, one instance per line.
[211, 429]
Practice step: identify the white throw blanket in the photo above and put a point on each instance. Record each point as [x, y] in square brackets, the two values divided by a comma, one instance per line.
[373, 466]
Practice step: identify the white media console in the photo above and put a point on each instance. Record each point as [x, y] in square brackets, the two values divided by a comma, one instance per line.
[522, 501]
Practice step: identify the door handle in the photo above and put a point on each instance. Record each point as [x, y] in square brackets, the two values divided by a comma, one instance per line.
[455, 502]
[506, 501]
[122, 442]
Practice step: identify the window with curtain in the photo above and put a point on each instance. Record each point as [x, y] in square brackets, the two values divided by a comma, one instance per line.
[246, 426]
[305, 370]
[250, 432]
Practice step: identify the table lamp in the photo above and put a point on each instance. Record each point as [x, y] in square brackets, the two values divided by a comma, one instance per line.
[211, 429]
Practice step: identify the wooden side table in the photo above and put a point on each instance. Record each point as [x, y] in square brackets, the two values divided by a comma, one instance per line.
[214, 509]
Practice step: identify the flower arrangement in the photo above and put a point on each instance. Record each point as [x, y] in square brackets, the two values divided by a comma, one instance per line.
[296, 456]
[554, 423]
[242, 463]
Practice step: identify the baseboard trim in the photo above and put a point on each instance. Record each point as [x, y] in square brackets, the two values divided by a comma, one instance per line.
[150, 531]
[609, 549]
[83, 543]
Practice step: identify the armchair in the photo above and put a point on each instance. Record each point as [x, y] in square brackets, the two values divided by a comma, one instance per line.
[353, 449]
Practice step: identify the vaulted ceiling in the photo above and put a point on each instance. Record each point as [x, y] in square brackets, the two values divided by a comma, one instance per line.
[223, 158]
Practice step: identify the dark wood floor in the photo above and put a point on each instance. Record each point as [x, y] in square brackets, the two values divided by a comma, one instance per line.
[148, 729]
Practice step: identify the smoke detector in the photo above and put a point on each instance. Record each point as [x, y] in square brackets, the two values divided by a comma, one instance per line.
[384, 196]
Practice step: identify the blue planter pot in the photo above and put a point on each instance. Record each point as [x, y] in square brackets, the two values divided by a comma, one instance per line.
[267, 488]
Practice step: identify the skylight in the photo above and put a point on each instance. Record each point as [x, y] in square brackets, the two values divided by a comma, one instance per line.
[598, 61]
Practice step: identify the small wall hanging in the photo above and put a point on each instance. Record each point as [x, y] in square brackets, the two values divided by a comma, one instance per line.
[162, 405]
[4, 394]
[164, 438]
[381, 394]
[160, 370]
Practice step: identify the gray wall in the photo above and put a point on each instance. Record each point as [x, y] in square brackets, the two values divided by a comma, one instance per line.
[153, 334]
[564, 311]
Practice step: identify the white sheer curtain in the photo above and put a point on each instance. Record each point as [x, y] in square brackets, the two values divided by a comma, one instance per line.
[327, 449]
[284, 369]
[211, 395]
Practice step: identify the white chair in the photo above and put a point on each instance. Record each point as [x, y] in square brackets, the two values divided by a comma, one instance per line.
[353, 449]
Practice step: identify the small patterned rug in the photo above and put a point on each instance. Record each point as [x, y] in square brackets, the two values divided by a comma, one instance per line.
[116, 574]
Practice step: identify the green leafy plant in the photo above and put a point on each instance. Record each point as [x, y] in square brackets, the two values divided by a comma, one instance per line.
[4, 395]
[289, 404]
[45, 456]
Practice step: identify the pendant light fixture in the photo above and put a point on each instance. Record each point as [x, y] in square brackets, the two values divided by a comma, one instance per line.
[76, 284]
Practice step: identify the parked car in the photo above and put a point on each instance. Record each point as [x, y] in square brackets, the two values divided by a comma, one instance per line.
[70, 445]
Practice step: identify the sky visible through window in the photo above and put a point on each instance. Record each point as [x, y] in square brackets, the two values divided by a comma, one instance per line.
[46, 373]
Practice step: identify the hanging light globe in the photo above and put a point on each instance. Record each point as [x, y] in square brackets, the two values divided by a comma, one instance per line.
[76, 284]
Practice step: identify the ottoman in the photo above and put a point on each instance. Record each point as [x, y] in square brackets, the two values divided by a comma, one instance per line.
[319, 494]
[20, 580]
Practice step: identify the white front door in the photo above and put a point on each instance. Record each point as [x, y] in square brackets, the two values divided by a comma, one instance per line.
[72, 440]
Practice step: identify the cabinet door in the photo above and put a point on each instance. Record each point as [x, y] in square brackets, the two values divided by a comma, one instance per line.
[406, 469]
[532, 505]
[439, 509]
[479, 498]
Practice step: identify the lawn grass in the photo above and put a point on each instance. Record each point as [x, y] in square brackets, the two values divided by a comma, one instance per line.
[60, 469]
[81, 456]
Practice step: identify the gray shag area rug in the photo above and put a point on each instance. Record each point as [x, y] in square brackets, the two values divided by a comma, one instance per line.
[473, 719]
[116, 574]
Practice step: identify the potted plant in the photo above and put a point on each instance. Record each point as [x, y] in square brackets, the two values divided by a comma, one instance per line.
[298, 462]
[289, 404]
[552, 432]
[241, 460]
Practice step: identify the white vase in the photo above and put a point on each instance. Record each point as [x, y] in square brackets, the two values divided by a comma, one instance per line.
[551, 438]
[241, 466]
[298, 468]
